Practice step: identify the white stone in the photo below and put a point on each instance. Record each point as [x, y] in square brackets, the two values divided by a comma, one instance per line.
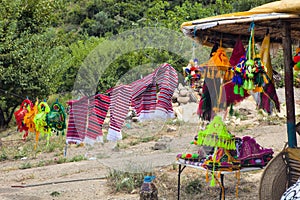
[183, 92]
[183, 100]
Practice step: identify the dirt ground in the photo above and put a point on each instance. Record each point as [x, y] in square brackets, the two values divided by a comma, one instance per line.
[87, 179]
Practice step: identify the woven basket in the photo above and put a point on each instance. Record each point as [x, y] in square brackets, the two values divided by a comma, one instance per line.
[273, 182]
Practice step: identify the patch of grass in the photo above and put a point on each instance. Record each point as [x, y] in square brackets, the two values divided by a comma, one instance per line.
[77, 158]
[26, 165]
[61, 160]
[3, 155]
[120, 181]
[55, 194]
[20, 154]
[194, 187]
[147, 139]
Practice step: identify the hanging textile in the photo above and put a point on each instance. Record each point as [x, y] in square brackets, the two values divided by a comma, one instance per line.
[41, 125]
[77, 120]
[86, 118]
[98, 107]
[216, 69]
[142, 95]
[265, 57]
[237, 53]
[26, 105]
[29, 117]
[56, 118]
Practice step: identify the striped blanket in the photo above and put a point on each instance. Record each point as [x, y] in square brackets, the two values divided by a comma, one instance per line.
[86, 119]
[141, 94]
[87, 114]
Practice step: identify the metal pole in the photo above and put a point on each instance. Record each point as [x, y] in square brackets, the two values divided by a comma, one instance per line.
[289, 85]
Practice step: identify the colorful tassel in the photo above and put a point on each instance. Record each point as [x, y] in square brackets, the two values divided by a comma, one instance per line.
[206, 176]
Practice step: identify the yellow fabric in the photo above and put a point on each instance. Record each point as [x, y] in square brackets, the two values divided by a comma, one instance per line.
[265, 56]
[294, 153]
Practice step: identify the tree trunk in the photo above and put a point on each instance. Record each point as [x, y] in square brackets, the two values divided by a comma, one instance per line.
[4, 122]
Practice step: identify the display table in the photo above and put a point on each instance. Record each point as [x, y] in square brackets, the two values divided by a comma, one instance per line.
[183, 165]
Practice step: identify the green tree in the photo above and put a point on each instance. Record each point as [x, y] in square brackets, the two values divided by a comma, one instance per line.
[28, 48]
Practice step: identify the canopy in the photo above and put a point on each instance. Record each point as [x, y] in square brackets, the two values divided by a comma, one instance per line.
[281, 19]
[229, 27]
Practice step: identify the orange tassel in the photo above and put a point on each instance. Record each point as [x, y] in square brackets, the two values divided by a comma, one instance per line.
[265, 79]
[238, 176]
[206, 176]
[208, 74]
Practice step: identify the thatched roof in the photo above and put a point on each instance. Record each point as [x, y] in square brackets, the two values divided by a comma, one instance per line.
[229, 27]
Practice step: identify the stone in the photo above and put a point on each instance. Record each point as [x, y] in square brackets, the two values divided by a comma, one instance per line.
[189, 113]
[175, 95]
[183, 92]
[178, 112]
[183, 100]
[175, 104]
[171, 129]
[160, 146]
[135, 119]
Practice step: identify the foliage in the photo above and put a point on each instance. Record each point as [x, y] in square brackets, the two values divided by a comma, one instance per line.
[44, 43]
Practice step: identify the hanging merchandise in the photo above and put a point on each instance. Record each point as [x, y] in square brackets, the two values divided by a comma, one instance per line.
[56, 118]
[217, 136]
[296, 59]
[215, 70]
[41, 125]
[29, 117]
[20, 114]
[250, 71]
[193, 73]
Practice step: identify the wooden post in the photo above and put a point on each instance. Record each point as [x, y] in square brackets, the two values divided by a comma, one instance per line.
[289, 85]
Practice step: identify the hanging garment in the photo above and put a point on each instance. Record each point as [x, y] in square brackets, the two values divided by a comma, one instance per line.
[269, 99]
[77, 120]
[19, 115]
[227, 95]
[237, 53]
[265, 57]
[98, 107]
[41, 125]
[29, 117]
[56, 118]
[141, 94]
[86, 118]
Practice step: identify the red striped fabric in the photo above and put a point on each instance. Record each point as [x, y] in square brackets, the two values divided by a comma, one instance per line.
[86, 118]
[141, 94]
[98, 107]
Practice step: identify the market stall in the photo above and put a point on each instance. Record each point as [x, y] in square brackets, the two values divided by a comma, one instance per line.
[280, 20]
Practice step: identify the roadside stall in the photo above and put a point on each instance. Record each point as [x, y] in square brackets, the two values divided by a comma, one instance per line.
[280, 22]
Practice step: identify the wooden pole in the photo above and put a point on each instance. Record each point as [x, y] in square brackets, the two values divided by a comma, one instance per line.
[289, 85]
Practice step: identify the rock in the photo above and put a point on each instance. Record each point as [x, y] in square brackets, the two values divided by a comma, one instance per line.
[135, 119]
[178, 112]
[180, 86]
[175, 104]
[175, 95]
[183, 100]
[171, 129]
[166, 139]
[189, 113]
[160, 146]
[183, 92]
